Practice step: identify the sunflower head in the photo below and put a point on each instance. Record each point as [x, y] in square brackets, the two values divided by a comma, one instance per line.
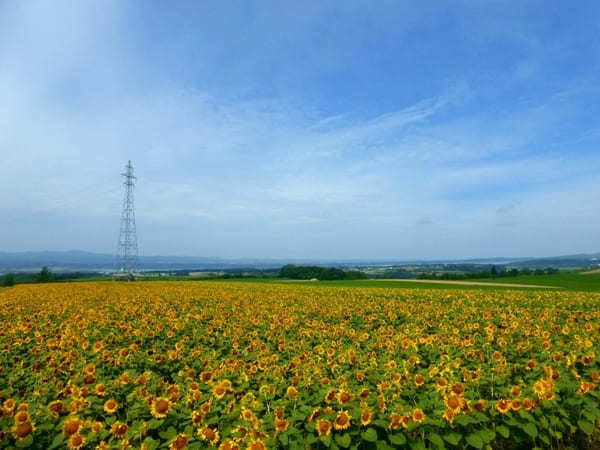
[179, 442]
[76, 441]
[110, 406]
[323, 427]
[160, 407]
[342, 421]
[418, 415]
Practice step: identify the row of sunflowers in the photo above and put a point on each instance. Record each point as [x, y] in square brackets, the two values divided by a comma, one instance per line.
[253, 365]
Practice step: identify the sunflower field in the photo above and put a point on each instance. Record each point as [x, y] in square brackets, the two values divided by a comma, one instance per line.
[253, 365]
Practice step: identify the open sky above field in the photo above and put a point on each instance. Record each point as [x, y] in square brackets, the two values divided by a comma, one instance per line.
[320, 129]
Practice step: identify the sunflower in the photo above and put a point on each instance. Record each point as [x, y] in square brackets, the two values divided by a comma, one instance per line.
[330, 395]
[480, 405]
[418, 415]
[281, 424]
[539, 388]
[100, 390]
[23, 429]
[110, 406]
[257, 444]
[9, 406]
[197, 418]
[515, 391]
[279, 411]
[247, 415]
[160, 407]
[503, 406]
[291, 392]
[531, 364]
[314, 414]
[56, 408]
[441, 384]
[515, 404]
[72, 425]
[76, 441]
[229, 445]
[453, 402]
[323, 427]
[209, 434]
[179, 442]
[205, 407]
[395, 421]
[342, 421]
[119, 429]
[458, 388]
[527, 404]
[219, 391]
[344, 397]
[449, 415]
[22, 416]
[405, 420]
[419, 380]
[97, 427]
[366, 417]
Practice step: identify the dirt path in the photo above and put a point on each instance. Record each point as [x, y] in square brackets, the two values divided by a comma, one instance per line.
[591, 272]
[470, 283]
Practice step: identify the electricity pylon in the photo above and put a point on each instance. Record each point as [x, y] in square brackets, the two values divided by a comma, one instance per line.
[127, 248]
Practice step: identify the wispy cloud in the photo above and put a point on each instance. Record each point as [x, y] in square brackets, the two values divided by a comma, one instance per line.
[422, 166]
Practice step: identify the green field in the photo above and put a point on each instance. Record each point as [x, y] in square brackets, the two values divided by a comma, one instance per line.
[570, 281]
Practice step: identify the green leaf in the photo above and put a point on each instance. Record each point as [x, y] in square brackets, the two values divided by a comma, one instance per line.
[326, 440]
[503, 431]
[25, 442]
[545, 439]
[154, 424]
[284, 439]
[380, 423]
[370, 435]
[397, 439]
[587, 427]
[452, 437]
[150, 443]
[487, 435]
[530, 429]
[382, 445]
[418, 445]
[465, 420]
[436, 440]
[526, 415]
[343, 440]
[311, 439]
[169, 434]
[475, 441]
[57, 442]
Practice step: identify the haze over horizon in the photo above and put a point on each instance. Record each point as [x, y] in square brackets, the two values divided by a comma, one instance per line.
[321, 130]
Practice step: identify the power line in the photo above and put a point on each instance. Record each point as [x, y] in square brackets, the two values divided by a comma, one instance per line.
[127, 247]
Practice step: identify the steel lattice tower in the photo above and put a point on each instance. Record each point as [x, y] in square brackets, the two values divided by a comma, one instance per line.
[127, 248]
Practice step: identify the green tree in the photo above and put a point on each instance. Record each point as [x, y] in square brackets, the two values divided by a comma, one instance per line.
[45, 276]
[8, 280]
[494, 272]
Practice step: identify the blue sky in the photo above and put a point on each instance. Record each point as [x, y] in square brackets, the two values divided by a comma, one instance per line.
[303, 129]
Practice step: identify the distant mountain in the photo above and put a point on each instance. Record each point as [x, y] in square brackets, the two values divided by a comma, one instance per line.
[77, 260]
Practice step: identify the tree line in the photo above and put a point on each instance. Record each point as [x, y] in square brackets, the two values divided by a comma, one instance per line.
[494, 272]
[44, 276]
[319, 273]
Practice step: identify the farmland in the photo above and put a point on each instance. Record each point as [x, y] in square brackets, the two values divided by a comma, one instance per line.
[263, 365]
